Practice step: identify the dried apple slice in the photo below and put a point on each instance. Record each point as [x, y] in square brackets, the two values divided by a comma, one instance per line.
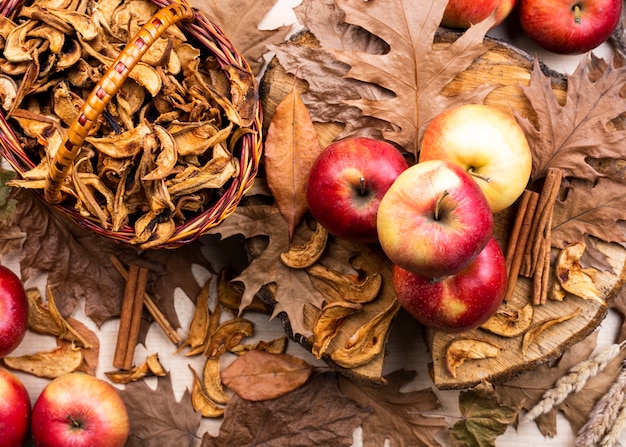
[509, 321]
[328, 322]
[544, 325]
[213, 381]
[201, 402]
[338, 287]
[50, 364]
[464, 349]
[307, 254]
[572, 277]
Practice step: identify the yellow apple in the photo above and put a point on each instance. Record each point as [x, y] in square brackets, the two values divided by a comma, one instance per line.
[488, 143]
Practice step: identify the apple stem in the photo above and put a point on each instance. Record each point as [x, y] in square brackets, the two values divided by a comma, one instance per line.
[577, 18]
[362, 182]
[438, 205]
[482, 177]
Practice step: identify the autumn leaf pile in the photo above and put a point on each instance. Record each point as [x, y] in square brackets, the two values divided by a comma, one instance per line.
[378, 78]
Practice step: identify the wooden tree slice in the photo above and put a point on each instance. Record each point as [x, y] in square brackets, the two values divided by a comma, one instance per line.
[507, 68]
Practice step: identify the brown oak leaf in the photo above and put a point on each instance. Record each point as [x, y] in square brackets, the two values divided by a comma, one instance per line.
[156, 418]
[398, 90]
[316, 414]
[397, 416]
[291, 147]
[240, 22]
[566, 135]
[590, 209]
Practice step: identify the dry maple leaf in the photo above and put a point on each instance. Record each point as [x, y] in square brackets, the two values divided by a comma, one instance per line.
[156, 418]
[566, 135]
[590, 209]
[399, 90]
[293, 286]
[291, 147]
[484, 418]
[240, 22]
[77, 265]
[396, 416]
[316, 414]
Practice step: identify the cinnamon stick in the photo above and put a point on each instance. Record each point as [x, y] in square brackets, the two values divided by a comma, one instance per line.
[135, 323]
[541, 222]
[150, 305]
[518, 240]
[514, 237]
[126, 316]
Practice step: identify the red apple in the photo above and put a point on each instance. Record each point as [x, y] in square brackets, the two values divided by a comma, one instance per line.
[464, 13]
[434, 219]
[79, 410]
[14, 410]
[346, 183]
[459, 302]
[13, 311]
[569, 26]
[486, 142]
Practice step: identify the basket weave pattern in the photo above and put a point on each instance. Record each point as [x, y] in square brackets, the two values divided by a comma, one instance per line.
[247, 148]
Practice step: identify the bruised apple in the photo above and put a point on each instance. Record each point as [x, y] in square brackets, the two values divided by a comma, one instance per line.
[488, 143]
[13, 311]
[434, 219]
[455, 303]
[79, 410]
[14, 410]
[346, 183]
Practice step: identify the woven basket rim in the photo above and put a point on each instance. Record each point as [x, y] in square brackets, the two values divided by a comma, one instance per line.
[212, 39]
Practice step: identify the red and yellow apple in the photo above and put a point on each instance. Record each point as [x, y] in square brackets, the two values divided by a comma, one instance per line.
[464, 13]
[346, 183]
[488, 143]
[14, 410]
[79, 410]
[569, 26]
[434, 219]
[13, 311]
[459, 302]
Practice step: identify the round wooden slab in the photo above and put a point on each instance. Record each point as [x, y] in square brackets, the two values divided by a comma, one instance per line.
[508, 68]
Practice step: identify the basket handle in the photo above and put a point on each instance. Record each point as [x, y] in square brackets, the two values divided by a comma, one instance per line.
[107, 87]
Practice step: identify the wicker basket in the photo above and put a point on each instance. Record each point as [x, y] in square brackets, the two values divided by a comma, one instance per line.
[210, 40]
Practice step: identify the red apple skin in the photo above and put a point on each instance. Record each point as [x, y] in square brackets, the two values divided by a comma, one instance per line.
[79, 410]
[464, 13]
[553, 23]
[456, 303]
[13, 311]
[14, 410]
[413, 237]
[335, 195]
[485, 141]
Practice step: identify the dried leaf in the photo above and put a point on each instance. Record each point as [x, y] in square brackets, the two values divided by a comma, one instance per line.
[156, 418]
[590, 209]
[240, 21]
[259, 375]
[316, 413]
[484, 418]
[395, 87]
[397, 416]
[538, 328]
[291, 147]
[566, 135]
[49, 364]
